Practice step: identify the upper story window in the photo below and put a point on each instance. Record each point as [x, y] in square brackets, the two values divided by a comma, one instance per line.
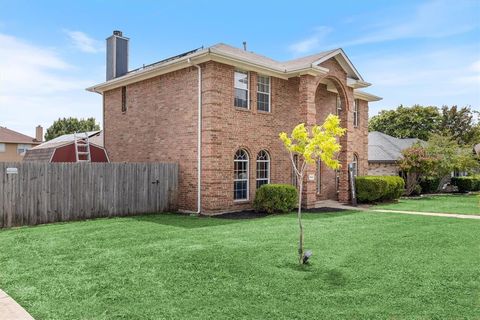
[22, 148]
[263, 93]
[2, 147]
[355, 113]
[338, 106]
[241, 89]
[124, 99]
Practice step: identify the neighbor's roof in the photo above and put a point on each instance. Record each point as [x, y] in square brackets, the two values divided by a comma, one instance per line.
[10, 136]
[94, 137]
[385, 148]
[224, 53]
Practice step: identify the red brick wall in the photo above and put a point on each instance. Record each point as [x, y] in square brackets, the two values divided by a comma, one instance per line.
[160, 125]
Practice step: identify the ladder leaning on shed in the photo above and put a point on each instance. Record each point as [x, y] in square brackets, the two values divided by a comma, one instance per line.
[82, 147]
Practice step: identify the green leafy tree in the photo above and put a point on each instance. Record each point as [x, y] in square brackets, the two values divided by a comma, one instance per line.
[416, 164]
[460, 123]
[310, 145]
[69, 126]
[407, 122]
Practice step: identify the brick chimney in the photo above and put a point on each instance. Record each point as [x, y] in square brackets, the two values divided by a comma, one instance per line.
[39, 133]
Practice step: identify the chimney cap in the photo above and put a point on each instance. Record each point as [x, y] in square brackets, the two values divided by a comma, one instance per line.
[117, 33]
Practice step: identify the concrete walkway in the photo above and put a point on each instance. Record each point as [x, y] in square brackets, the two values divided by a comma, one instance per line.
[434, 214]
[11, 310]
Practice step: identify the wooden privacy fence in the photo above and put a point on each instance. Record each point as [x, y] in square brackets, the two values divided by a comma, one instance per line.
[49, 192]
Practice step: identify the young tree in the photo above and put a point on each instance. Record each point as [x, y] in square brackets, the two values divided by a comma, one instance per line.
[310, 145]
[70, 125]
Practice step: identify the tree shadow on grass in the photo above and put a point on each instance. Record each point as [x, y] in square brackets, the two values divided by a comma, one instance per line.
[333, 277]
[314, 215]
[183, 221]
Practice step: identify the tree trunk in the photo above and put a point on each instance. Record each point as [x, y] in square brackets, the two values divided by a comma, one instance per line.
[299, 215]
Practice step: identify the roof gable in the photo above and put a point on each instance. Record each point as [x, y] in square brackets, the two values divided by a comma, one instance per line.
[10, 136]
[343, 60]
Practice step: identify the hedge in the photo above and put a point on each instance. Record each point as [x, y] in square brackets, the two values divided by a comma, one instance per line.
[430, 185]
[379, 188]
[465, 184]
[276, 198]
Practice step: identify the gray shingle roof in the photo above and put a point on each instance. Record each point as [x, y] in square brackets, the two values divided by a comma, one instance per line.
[385, 148]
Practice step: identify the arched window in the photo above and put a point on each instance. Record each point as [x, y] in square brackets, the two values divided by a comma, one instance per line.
[263, 168]
[240, 179]
[338, 105]
[355, 164]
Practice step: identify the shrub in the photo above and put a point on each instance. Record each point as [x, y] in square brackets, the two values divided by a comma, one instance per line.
[276, 198]
[465, 184]
[379, 188]
[430, 185]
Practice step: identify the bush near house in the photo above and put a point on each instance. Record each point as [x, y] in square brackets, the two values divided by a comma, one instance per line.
[430, 185]
[274, 198]
[379, 188]
[466, 184]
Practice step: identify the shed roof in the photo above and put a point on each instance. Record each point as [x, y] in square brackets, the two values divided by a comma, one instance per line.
[95, 137]
[10, 136]
[385, 148]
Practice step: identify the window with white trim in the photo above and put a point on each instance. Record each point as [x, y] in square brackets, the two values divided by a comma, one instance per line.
[263, 168]
[355, 165]
[263, 93]
[241, 89]
[22, 148]
[338, 105]
[240, 178]
[2, 147]
[355, 113]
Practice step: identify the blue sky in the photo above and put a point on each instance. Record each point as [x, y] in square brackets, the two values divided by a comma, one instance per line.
[425, 52]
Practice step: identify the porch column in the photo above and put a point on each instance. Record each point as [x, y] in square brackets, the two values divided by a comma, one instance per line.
[346, 155]
[307, 90]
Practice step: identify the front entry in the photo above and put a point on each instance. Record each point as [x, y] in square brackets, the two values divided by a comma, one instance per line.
[327, 182]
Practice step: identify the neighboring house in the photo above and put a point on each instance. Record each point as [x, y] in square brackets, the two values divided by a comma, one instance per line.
[70, 148]
[13, 145]
[384, 151]
[221, 109]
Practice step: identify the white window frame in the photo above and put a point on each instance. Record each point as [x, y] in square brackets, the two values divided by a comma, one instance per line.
[355, 113]
[23, 147]
[247, 179]
[3, 147]
[267, 93]
[267, 162]
[248, 89]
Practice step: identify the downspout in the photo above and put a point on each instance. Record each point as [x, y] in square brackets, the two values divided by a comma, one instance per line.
[199, 138]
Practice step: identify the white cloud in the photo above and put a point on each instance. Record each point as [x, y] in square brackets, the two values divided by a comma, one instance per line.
[311, 43]
[84, 43]
[37, 86]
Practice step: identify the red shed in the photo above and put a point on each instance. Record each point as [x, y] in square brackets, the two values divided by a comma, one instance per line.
[80, 147]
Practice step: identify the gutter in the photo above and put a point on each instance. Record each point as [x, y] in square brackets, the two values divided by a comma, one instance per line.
[199, 137]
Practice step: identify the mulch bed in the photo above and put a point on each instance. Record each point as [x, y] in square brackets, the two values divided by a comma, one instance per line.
[252, 214]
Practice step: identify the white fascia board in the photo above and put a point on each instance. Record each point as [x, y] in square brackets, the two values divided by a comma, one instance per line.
[366, 96]
[344, 56]
[356, 84]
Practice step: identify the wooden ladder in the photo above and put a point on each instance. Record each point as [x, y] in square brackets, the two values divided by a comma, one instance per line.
[82, 147]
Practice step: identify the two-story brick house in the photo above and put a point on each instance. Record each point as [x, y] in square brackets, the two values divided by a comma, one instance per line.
[221, 109]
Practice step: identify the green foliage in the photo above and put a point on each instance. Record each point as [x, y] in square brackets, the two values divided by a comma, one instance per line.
[421, 122]
[69, 126]
[430, 185]
[275, 198]
[465, 184]
[414, 122]
[379, 188]
[416, 164]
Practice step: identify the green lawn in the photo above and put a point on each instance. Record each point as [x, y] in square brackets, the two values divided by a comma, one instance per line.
[463, 204]
[365, 266]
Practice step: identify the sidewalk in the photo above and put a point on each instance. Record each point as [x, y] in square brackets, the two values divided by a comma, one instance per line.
[434, 214]
[11, 310]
